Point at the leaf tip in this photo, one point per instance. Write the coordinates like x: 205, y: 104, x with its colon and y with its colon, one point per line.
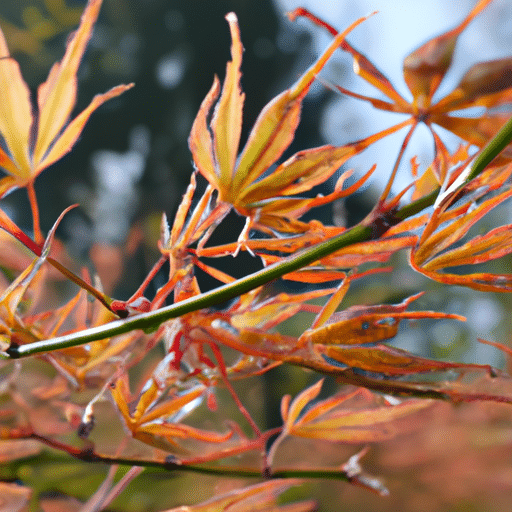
x: 231, y: 17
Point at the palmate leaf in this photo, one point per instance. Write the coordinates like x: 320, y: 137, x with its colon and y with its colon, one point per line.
x: 440, y: 245
x: 151, y: 423
x: 29, y: 154
x: 338, y: 419
x: 486, y: 84
x: 244, y: 185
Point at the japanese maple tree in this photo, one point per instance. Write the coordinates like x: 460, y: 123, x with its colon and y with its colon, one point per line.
x: 159, y: 382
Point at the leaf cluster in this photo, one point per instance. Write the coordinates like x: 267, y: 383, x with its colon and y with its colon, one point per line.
x: 154, y: 381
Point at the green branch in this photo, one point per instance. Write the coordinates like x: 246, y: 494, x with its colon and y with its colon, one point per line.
x: 359, y: 233
x: 492, y: 149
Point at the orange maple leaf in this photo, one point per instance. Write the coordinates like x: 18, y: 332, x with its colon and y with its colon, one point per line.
x: 152, y: 422
x: 35, y: 141
x: 486, y: 84
x: 457, y: 210
x: 264, y: 198
x: 334, y: 419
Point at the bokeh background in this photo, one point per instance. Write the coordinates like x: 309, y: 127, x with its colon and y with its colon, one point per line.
x: 132, y: 162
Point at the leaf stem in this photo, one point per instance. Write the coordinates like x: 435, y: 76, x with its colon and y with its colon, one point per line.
x: 101, y: 297
x: 36, y: 226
